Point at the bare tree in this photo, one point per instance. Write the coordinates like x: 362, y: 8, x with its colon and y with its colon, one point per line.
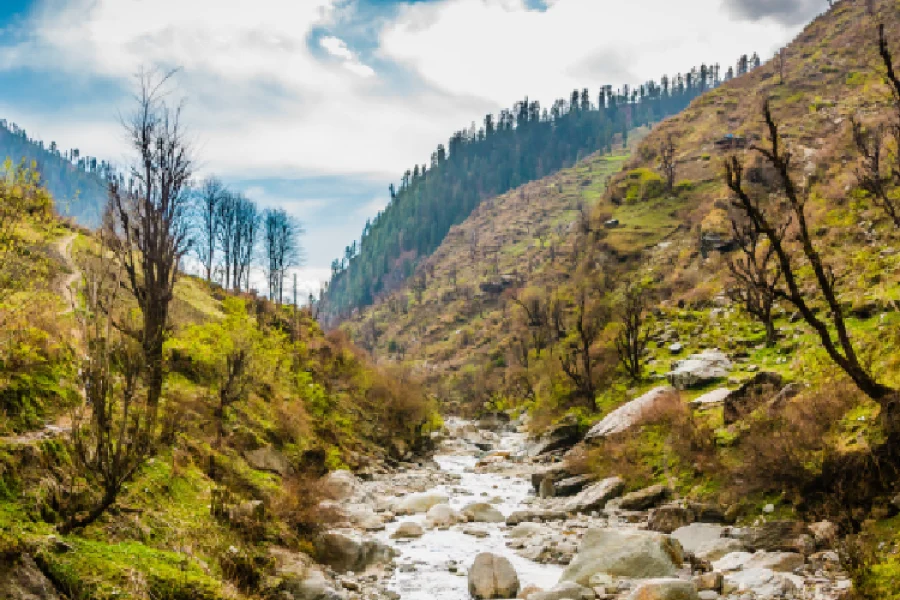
x: 577, y: 362
x: 757, y: 275
x: 247, y: 223
x: 207, y: 208
x: 281, y: 247
x: 227, y: 235
x: 873, y: 176
x: 667, y: 162
x: 110, y: 437
x: 152, y: 216
x: 632, y: 338
x: 838, y: 344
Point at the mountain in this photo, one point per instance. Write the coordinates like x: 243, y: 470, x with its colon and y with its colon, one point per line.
x: 528, y: 304
x: 521, y: 145
x: 76, y: 183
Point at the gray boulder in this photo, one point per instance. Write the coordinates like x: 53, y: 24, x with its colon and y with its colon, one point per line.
x: 699, y: 369
x: 595, y: 497
x: 343, y: 553
x: 407, y: 530
x: 670, y: 517
x: 23, y: 580
x: 492, y: 576
x: 419, y: 503
x: 443, y: 515
x: 710, y: 399
x: 564, y: 591
x: 706, y: 541
x: 665, y: 589
x: 761, y: 388
x: 570, y: 486
x: 645, y: 498
x: 627, y: 415
x: 624, y: 553
x: 535, y: 516
x: 268, y: 459
x: 482, y: 512
x: 339, y: 485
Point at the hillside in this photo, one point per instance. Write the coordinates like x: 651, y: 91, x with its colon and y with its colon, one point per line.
x: 76, y: 182
x: 257, y: 404
x: 520, y: 145
x: 500, y: 316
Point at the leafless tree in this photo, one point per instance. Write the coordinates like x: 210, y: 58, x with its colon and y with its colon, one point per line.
x: 152, y: 215
x: 763, y: 218
x: 111, y: 435
x: 587, y: 323
x: 667, y: 162
x: 757, y: 275
x: 248, y: 219
x: 632, y: 338
x: 207, y: 200
x: 281, y: 247
x: 873, y: 175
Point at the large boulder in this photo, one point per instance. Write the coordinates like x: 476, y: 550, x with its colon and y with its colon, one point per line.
x: 570, y: 486
x: 408, y: 530
x: 268, y: 459
x: 343, y: 553
x: 595, y: 497
x: 761, y: 388
x: 665, y: 589
x: 669, y: 517
x: 645, y: 498
x: 442, y: 516
x: 624, y: 553
x: 526, y: 530
x: 552, y: 472
x: 339, y: 485
x: 419, y: 503
x: 764, y: 584
x: 23, y: 580
x: 492, y: 576
x: 627, y: 415
x: 535, y: 516
x: 298, y: 578
x: 482, y: 512
x: 779, y: 536
x: 699, y: 369
x: 561, y: 436
x: 711, y: 399
x: 706, y: 541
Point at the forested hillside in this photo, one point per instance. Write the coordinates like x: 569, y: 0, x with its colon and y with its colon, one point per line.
x: 521, y: 145
x: 744, y: 254
x: 76, y: 182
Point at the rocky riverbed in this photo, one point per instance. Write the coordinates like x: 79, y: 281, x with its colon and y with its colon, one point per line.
x: 486, y: 519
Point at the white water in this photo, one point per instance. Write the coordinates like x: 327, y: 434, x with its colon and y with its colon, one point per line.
x: 423, y: 573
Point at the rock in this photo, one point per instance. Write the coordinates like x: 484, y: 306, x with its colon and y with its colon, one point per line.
x: 645, y: 498
x: 571, y: 485
x: 343, y: 553
x: 751, y: 395
x: 705, y: 541
x: 699, y: 369
x: 23, y: 580
x: 709, y: 581
x: 408, y: 529
x: 339, y: 485
x: 595, y: 496
x: 476, y: 532
x: 733, y: 561
x: 708, y: 513
x: 268, y: 459
x: 565, y: 591
x: 528, y: 591
x: 561, y: 436
x: 492, y: 576
x: 481, y: 512
x: 548, y: 489
x: 442, y: 515
x: 670, y: 517
x: 554, y: 472
x: 624, y: 553
x: 825, y: 533
x: 713, y: 398
x: 762, y: 583
x: 539, y: 516
x: 778, y: 536
x: 784, y: 562
x: 299, y: 578
x: 676, y: 348
x: 664, y: 589
x: 419, y: 503
x: 526, y: 530
x: 627, y: 415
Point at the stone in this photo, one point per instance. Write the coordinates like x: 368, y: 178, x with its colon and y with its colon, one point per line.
x: 784, y: 562
x: 339, y: 485
x: 548, y: 489
x: 565, y: 591
x: 705, y: 541
x: 23, y: 580
x: 554, y: 472
x: 529, y: 591
x: 762, y: 583
x: 670, y: 517
x: 711, y: 399
x: 709, y: 581
x: 676, y: 348
x: 482, y: 512
x: 778, y: 536
x: 407, y: 530
x: 627, y: 415
x: 571, y: 485
x: 419, y: 503
x: 624, y: 553
x: 595, y: 496
x: 343, y: 553
x: 442, y: 515
x: 751, y: 395
x: 268, y: 459
x: 560, y: 436
x: 664, y: 589
x: 492, y: 576
x: 540, y: 516
x: 645, y: 498
x: 299, y: 578
x: 825, y: 533
x: 699, y: 369
x: 526, y: 530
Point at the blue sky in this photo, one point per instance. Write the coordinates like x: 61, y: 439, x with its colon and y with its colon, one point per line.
x: 317, y: 105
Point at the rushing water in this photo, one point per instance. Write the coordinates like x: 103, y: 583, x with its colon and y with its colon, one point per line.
x: 424, y: 564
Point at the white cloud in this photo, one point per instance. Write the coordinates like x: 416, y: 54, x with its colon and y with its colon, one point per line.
x: 338, y: 48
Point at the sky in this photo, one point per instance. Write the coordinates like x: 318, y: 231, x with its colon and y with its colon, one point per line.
x: 317, y: 106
